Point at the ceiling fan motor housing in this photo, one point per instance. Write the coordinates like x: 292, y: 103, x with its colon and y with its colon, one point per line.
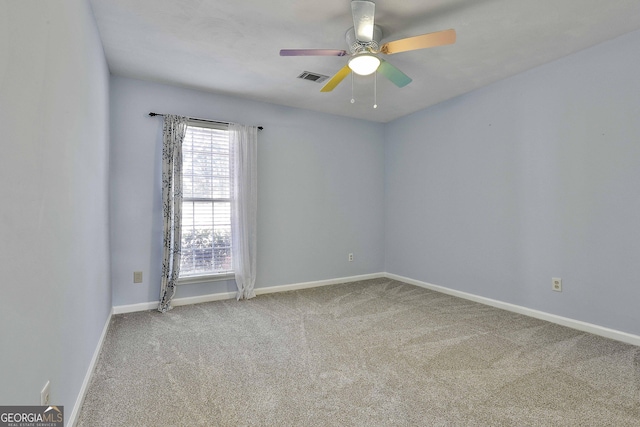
x: 356, y: 46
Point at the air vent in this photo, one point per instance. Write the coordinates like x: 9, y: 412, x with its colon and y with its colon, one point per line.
x: 314, y: 77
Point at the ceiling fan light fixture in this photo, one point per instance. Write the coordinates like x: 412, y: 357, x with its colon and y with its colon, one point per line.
x: 364, y: 64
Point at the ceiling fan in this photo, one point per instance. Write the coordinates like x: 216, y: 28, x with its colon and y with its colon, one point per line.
x: 364, y: 45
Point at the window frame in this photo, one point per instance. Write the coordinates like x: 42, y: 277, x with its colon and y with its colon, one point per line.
x: 209, y: 276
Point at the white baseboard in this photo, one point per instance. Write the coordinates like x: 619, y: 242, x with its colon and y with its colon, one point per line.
x: 153, y: 305
x: 130, y: 308
x: 71, y: 421
x: 318, y: 283
x: 564, y: 321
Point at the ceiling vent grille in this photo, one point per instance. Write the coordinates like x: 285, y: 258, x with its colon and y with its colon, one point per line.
x: 313, y: 77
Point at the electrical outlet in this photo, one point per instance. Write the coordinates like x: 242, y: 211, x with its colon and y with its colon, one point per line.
x: 350, y: 257
x: 137, y: 277
x: 44, y: 394
x: 556, y: 284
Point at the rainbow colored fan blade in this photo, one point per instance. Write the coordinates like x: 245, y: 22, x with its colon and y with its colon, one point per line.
x: 312, y: 52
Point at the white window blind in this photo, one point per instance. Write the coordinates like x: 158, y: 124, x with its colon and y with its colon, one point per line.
x: 206, y: 206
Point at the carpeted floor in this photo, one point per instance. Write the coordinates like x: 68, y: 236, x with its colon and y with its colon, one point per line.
x: 370, y: 353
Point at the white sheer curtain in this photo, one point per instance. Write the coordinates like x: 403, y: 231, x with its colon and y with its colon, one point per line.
x: 244, y: 146
x: 174, y: 130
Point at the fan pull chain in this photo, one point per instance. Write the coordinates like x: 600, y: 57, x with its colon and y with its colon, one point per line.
x: 352, y: 98
x: 375, y: 89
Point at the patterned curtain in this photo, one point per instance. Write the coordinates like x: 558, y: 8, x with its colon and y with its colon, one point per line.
x: 244, y: 146
x: 174, y: 130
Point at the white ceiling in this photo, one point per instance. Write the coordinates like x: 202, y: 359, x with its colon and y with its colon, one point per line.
x: 232, y: 47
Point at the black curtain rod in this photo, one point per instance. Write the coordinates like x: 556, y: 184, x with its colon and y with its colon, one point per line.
x: 200, y: 120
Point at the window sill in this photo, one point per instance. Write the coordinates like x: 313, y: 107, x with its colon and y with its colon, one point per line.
x: 205, y: 279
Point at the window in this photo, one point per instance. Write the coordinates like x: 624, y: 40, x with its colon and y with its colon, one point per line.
x: 206, y: 205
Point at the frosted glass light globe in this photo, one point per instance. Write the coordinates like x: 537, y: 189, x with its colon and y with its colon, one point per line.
x: 364, y: 64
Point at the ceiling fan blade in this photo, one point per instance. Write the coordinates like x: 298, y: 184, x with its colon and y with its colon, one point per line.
x: 312, y: 52
x: 363, y: 19
x: 439, y: 38
x: 336, y: 79
x: 396, y: 76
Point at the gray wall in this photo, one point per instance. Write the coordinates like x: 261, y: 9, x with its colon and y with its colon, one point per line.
x: 320, y: 180
x: 54, y: 256
x: 534, y: 177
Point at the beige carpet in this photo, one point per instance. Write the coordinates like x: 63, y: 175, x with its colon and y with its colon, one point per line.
x: 370, y: 353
